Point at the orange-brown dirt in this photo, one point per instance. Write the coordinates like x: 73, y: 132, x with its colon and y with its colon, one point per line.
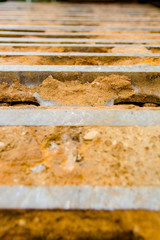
x: 132, y: 49
x: 136, y: 49
x: 14, y: 93
x: 31, y: 49
x: 113, y: 88
x: 40, y: 60
x: 87, y: 36
x: 123, y: 156
x: 115, y: 31
x: 79, y: 225
x: 85, y: 23
x: 131, y: 36
x: 95, y: 93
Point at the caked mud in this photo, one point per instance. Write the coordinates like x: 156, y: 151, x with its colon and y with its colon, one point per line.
x: 97, y: 156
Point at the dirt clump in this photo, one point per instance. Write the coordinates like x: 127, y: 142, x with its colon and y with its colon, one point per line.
x: 132, y: 49
x: 15, y: 93
x: 96, y: 93
x: 111, y: 61
x: 68, y: 60
x: 31, y: 49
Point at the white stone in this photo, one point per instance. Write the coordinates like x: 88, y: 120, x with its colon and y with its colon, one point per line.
x: 90, y: 135
x: 2, y: 144
x: 53, y: 146
x: 38, y: 168
x: 114, y: 142
x: 22, y: 222
x: 24, y: 133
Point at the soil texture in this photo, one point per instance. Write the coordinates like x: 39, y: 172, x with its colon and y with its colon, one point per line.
x: 79, y: 225
x: 113, y: 156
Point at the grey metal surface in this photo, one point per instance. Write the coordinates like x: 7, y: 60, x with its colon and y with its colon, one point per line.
x: 88, y: 34
x: 76, y: 28
x: 79, y: 40
x: 81, y: 68
x: 78, y: 117
x: 79, y: 54
x: 80, y: 15
x: 71, y: 18
x: 77, y: 45
x: 35, y: 74
x: 27, y: 12
x: 80, y: 197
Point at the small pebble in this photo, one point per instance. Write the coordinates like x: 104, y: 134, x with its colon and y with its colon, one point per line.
x: 36, y: 219
x: 114, y: 142
x: 22, y: 92
x: 78, y: 158
x: 15, y: 180
x: 53, y: 146
x: 90, y: 135
x: 22, y: 222
x: 95, y: 83
x: 23, y: 133
x: 38, y: 168
x: 2, y: 144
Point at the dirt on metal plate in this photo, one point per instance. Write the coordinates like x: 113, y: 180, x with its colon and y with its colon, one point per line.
x: 103, y: 91
x: 96, y: 156
x: 68, y: 60
x: 73, y: 225
x: 122, y: 49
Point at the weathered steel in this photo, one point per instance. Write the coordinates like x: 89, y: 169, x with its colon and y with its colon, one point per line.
x: 80, y: 197
x: 35, y: 74
x: 76, y: 28
x: 74, y: 19
x: 78, y: 45
x: 79, y: 54
x: 75, y: 35
x: 74, y: 68
x: 72, y: 116
x: 78, y: 40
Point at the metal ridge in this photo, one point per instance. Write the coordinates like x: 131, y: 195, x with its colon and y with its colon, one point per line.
x: 73, y: 116
x: 80, y: 197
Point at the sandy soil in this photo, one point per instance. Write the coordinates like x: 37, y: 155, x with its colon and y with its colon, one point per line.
x: 103, y: 91
x: 132, y: 49
x: 124, y: 156
x: 96, y: 93
x: 40, y: 60
x: 136, y: 49
x: 80, y: 23
x: 74, y: 225
x: 87, y: 36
